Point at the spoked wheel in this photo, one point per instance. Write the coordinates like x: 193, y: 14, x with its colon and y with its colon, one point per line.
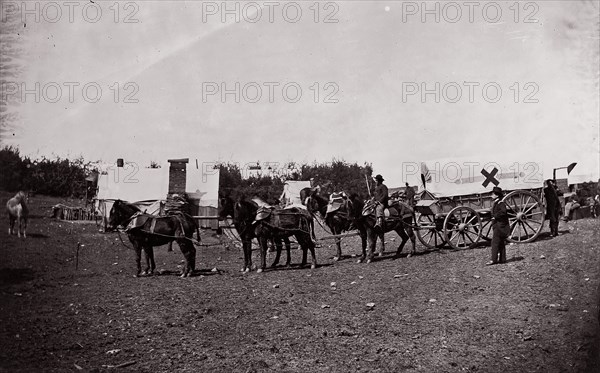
x: 525, y: 216
x: 462, y: 227
x: 486, y: 229
x: 429, y: 235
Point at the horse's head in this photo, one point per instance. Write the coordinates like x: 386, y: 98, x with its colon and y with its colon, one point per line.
x: 225, y: 207
x: 120, y: 214
x: 22, y: 197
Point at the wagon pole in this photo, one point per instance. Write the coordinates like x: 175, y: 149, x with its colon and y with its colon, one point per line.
x: 368, y: 187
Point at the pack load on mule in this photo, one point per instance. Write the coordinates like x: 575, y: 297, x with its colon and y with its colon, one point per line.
x: 256, y: 219
x: 341, y: 213
x: 455, y: 207
x: 146, y: 231
x: 396, y: 216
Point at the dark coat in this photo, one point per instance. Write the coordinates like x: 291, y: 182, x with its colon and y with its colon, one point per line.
x: 381, y: 194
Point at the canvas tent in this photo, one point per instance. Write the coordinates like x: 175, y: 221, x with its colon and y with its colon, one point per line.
x: 291, y: 192
x: 148, y: 189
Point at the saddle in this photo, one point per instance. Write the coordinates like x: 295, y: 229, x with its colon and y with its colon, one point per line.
x: 336, y: 201
x: 139, y: 220
x: 263, y: 213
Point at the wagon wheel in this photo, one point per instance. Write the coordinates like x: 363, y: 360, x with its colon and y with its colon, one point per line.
x: 427, y: 232
x: 462, y: 227
x: 486, y: 229
x: 525, y: 215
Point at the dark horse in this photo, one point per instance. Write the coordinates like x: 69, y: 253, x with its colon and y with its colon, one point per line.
x: 342, y: 216
x: 243, y: 213
x: 400, y: 221
x: 280, y: 223
x: 147, y: 231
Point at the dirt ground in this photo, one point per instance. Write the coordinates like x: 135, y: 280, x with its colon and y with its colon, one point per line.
x: 439, y: 311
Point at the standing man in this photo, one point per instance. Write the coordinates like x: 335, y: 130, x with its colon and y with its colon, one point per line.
x: 380, y: 194
x: 552, y: 206
x: 500, y: 227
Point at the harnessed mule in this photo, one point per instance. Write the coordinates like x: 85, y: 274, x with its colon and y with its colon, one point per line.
x: 243, y: 214
x: 18, y: 212
x: 146, y: 231
x: 274, y: 223
x: 399, y: 218
x: 341, y: 214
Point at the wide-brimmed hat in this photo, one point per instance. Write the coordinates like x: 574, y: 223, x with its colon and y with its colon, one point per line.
x: 498, y: 191
x: 379, y: 178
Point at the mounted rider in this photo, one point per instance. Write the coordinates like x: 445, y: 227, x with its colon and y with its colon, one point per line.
x: 380, y: 195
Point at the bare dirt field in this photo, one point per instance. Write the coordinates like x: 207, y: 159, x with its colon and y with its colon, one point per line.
x: 440, y: 311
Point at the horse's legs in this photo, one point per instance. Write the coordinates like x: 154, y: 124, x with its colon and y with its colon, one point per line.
x: 403, y: 236
x: 338, y: 242
x: 24, y: 227
x: 277, y: 244
x: 149, y: 251
x: 138, y: 258
x: 19, y: 226
x: 381, y: 235
x: 372, y: 240
x: 263, y: 254
x: 11, y: 224
x: 288, y: 248
x: 247, y: 247
x: 189, y: 253
x: 411, y: 235
x: 311, y: 246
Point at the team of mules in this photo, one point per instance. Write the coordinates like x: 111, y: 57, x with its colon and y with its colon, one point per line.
x: 269, y: 224
x: 18, y: 213
x: 343, y: 214
x: 146, y: 231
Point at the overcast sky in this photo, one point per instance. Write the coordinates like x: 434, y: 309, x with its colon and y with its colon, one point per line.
x: 361, y: 67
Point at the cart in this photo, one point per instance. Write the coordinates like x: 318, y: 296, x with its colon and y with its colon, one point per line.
x: 454, y: 208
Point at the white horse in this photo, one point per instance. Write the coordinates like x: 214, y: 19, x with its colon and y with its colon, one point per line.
x: 18, y: 211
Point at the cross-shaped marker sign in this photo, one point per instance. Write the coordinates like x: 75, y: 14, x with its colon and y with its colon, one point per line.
x: 489, y: 177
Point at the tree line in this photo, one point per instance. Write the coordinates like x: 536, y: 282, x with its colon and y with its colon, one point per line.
x: 62, y: 177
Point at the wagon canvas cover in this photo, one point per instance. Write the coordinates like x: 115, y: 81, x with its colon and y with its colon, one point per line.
x: 448, y: 178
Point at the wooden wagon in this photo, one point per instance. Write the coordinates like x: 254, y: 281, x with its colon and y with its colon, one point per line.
x: 455, y: 207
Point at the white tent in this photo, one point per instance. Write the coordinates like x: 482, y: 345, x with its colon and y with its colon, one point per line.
x: 145, y: 187
x: 291, y: 192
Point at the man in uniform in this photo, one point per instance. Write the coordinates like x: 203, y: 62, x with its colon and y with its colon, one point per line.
x: 552, y: 206
x: 500, y: 227
x: 380, y: 194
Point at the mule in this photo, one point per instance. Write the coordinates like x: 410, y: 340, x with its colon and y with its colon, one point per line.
x: 18, y: 213
x: 400, y: 220
x: 340, y: 215
x: 243, y: 213
x: 147, y: 231
x: 283, y: 223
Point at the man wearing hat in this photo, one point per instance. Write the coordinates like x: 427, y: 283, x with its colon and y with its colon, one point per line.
x: 380, y: 194
x: 500, y: 227
x: 552, y: 206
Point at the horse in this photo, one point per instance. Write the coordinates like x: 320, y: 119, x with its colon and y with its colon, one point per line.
x: 146, y: 231
x: 243, y: 213
x: 340, y: 214
x: 18, y: 212
x: 283, y: 223
x: 400, y: 221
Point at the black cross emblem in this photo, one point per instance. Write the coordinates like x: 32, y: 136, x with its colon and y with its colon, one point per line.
x: 489, y: 177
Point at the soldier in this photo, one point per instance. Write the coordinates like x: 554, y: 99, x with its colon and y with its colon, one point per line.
x: 380, y: 194
x: 552, y: 206
x: 500, y: 227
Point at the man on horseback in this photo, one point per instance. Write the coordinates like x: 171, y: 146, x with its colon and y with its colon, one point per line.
x: 380, y: 194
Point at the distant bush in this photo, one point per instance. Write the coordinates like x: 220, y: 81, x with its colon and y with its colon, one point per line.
x: 54, y: 177
x: 335, y: 176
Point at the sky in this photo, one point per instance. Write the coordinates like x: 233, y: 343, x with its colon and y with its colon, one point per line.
x: 391, y: 83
